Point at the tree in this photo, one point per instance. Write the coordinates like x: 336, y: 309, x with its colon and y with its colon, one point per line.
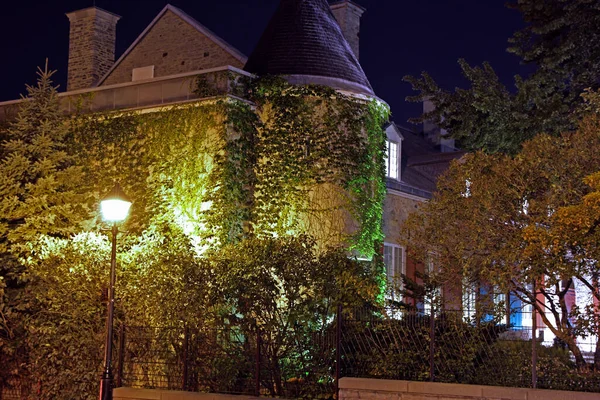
x: 289, y: 292
x: 40, y: 193
x: 498, y: 219
x: 561, y: 40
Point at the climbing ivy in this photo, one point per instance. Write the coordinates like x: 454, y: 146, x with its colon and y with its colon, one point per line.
x: 320, y: 164
x: 285, y: 161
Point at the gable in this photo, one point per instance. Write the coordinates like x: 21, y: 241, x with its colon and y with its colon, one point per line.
x: 393, y: 133
x: 174, y: 43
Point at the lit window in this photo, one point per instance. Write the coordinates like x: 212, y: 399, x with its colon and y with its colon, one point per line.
x: 392, y: 160
x: 467, y: 192
x: 395, y: 266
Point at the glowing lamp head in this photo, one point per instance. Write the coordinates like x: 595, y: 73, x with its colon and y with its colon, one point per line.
x: 115, y: 206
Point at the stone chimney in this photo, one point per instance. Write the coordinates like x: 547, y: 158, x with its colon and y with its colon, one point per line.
x: 91, y: 46
x: 347, y: 13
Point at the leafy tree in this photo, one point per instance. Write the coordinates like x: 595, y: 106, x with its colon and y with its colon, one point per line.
x: 289, y: 292
x: 39, y: 194
x: 498, y: 219
x: 561, y: 41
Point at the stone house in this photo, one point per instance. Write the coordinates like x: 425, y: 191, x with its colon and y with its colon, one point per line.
x: 306, y: 42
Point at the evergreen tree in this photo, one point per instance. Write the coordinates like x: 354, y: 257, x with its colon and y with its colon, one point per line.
x: 39, y: 195
x: 562, y: 39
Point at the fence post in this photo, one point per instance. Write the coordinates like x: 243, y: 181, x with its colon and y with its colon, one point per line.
x: 432, y: 344
x: 338, y: 351
x: 121, y: 356
x: 534, y: 355
x: 186, y: 338
x: 257, y: 362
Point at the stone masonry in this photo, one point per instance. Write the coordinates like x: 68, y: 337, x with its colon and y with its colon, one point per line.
x: 91, y: 46
x: 173, y: 46
x: 348, y: 15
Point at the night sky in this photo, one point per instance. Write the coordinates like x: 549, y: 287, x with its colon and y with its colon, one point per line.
x: 398, y: 37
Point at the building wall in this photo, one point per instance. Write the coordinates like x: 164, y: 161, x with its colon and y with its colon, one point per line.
x: 173, y: 46
x: 396, y: 209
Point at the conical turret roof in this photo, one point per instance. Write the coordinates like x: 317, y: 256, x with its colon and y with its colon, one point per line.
x: 304, y: 42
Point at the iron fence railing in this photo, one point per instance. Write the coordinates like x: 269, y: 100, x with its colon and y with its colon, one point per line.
x: 307, y: 360
x: 368, y: 342
x: 227, y: 360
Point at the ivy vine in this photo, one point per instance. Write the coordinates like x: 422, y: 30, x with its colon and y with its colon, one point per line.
x: 284, y: 161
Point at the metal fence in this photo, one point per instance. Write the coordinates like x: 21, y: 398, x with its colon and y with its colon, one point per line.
x: 307, y: 360
x: 292, y: 364
x: 374, y: 343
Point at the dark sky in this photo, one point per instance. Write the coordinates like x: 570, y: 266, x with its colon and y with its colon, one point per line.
x: 398, y: 37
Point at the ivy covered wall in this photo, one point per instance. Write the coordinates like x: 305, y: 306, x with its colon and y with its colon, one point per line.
x: 283, y: 161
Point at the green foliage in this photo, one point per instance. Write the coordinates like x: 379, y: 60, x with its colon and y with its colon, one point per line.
x: 398, y: 346
x: 289, y: 292
x: 519, y: 221
x: 320, y: 153
x: 305, y: 158
x: 561, y: 41
x: 41, y: 193
x: 555, y: 370
x: 219, y: 188
x: 68, y: 278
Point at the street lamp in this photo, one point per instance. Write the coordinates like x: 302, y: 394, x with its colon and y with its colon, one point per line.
x: 114, y: 208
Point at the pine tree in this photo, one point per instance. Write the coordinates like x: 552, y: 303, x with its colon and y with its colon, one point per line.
x: 39, y: 195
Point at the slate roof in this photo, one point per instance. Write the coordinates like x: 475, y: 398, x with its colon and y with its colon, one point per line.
x: 303, y: 38
x: 422, y: 164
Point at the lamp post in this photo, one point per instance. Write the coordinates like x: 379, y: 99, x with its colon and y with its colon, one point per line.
x: 114, y: 208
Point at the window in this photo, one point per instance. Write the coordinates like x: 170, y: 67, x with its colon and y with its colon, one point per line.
x: 392, y: 161
x: 467, y: 192
x: 395, y: 265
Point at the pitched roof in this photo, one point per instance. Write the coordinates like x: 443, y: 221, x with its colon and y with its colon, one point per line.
x: 304, y: 40
x: 184, y: 16
x: 422, y: 164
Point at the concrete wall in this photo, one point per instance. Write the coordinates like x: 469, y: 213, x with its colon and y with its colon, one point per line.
x: 173, y: 46
x: 157, y: 394
x: 383, y: 389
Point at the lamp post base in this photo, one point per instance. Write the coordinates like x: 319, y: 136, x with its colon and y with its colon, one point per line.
x: 106, y: 388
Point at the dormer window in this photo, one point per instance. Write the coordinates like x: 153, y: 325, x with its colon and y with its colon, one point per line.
x: 393, y: 160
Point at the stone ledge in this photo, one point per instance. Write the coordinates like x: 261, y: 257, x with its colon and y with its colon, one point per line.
x: 157, y: 394
x: 354, y: 388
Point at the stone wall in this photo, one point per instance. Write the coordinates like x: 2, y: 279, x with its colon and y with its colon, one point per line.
x: 173, y: 46
x: 348, y: 17
x: 396, y: 209
x: 157, y: 394
x: 383, y: 389
x: 91, y: 46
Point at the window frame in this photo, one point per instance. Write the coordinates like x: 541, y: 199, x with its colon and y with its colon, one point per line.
x: 395, y: 278
x: 388, y: 159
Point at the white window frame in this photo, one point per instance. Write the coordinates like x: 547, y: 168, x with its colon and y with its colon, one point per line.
x: 392, y: 164
x: 394, y: 271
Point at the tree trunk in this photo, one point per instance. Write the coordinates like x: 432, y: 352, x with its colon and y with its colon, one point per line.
x: 579, y: 360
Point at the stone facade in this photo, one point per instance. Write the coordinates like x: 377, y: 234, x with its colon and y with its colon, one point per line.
x: 91, y: 46
x: 348, y: 16
x: 397, y: 208
x: 173, y: 46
